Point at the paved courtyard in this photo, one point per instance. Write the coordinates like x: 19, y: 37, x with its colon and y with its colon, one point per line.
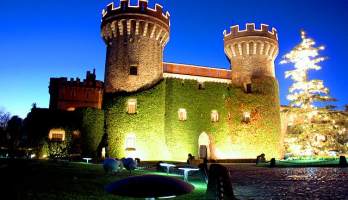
x: 250, y: 182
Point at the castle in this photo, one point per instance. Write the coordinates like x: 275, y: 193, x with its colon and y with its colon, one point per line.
x: 72, y: 94
x: 155, y: 110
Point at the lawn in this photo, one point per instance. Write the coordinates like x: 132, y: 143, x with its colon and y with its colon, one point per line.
x: 24, y: 179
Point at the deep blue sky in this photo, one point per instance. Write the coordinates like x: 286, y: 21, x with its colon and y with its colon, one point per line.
x: 53, y: 38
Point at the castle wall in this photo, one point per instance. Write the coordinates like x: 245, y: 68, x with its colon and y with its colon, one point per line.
x: 162, y: 136
x: 135, y: 37
x: 251, y: 52
x: 182, y: 136
x: 76, y: 97
x: 144, y: 53
x: 73, y: 94
x: 147, y: 124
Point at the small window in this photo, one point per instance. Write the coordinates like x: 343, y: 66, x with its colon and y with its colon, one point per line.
x: 132, y: 106
x: 133, y: 70
x: 201, y: 86
x: 214, y: 116
x: 131, y: 142
x: 70, y: 109
x: 56, y: 135
x: 248, y: 88
x: 246, y: 117
x: 76, y: 134
x: 182, y: 114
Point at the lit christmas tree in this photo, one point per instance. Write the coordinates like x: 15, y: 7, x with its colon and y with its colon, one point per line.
x: 315, y: 130
x: 304, y: 92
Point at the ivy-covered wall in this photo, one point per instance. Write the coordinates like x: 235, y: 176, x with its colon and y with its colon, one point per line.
x: 88, y: 121
x: 92, y: 131
x: 147, y: 124
x: 182, y: 136
x: 161, y: 136
x: 263, y: 133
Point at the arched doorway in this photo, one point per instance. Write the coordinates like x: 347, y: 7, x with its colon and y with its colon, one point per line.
x: 204, y: 146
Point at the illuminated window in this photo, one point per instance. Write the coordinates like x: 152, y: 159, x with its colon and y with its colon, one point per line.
x: 71, y: 109
x: 182, y: 114
x: 246, y: 117
x: 131, y: 142
x: 76, y: 134
x: 133, y: 70
x: 57, y: 135
x: 214, y: 116
x: 132, y: 106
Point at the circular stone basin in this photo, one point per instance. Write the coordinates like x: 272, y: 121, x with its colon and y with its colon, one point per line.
x: 149, y: 186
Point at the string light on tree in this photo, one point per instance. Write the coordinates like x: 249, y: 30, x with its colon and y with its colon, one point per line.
x: 305, y: 57
x: 317, y: 132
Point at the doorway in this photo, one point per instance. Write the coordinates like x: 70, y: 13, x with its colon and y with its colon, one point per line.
x: 203, y: 146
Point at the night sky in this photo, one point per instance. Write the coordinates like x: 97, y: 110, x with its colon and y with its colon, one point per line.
x: 61, y: 38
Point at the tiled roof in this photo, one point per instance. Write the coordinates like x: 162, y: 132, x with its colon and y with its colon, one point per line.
x: 194, y: 70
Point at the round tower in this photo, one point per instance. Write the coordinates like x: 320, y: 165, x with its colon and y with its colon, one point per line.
x: 251, y: 52
x: 135, y: 37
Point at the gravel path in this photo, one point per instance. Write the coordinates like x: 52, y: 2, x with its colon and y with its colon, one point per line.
x: 250, y: 182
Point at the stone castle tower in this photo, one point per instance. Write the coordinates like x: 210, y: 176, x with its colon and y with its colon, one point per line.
x: 135, y: 37
x: 195, y: 109
x: 251, y: 53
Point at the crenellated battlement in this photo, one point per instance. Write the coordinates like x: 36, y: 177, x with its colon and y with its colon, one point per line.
x: 251, y: 52
x: 251, y: 30
x: 251, y: 41
x: 141, y: 8
x: 89, y: 82
x: 138, y: 20
x: 136, y: 36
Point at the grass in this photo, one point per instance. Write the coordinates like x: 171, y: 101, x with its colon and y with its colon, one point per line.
x: 28, y: 180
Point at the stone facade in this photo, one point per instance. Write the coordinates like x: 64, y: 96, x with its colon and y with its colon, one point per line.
x: 135, y: 38
x: 251, y: 52
x: 71, y: 94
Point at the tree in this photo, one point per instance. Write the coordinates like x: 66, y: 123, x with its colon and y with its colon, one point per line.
x: 304, y: 92
x: 4, y: 118
x: 14, y: 131
x: 316, y: 130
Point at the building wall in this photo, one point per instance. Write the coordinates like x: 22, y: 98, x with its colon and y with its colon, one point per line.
x: 144, y: 53
x: 72, y: 94
x: 147, y: 124
x: 135, y: 37
x: 160, y: 135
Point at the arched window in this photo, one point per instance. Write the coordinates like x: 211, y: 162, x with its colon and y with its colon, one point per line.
x: 182, y: 114
x: 214, y: 116
x: 246, y: 117
x: 130, y: 142
x: 132, y: 106
x: 201, y: 86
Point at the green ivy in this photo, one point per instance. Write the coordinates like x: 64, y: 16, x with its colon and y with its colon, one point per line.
x: 92, y: 131
x: 160, y: 135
